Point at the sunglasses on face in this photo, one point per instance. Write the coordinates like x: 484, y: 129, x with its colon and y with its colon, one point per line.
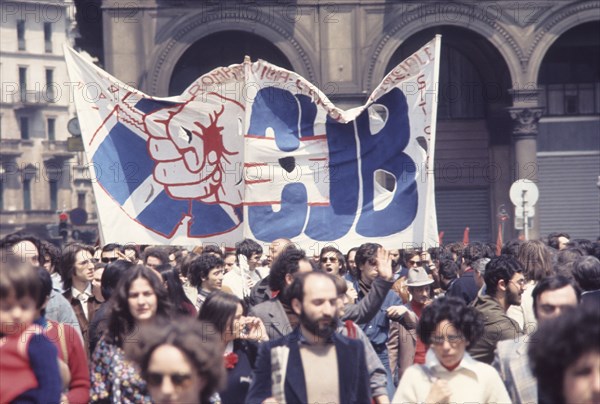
x: 106, y: 260
x: 413, y: 263
x: 330, y: 259
x: 178, y: 379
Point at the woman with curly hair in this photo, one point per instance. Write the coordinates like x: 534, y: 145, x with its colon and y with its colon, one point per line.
x: 138, y: 299
x: 448, y: 326
x: 180, y: 361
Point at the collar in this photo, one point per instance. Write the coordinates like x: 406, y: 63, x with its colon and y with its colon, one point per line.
x: 88, y: 291
x: 467, y: 362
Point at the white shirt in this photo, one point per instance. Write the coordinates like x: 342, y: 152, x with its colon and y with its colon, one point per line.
x: 241, y: 281
x: 471, y: 382
x: 83, y: 297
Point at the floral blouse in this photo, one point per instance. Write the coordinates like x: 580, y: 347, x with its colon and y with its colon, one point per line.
x: 115, y: 379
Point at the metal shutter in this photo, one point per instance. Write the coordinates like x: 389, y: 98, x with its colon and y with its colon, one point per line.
x: 569, y: 195
x: 460, y: 208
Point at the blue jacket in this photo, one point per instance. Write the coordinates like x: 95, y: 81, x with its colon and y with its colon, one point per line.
x: 352, y: 370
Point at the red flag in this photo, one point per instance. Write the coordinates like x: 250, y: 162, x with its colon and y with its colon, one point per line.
x: 499, y: 240
x: 440, y: 238
x: 466, y: 236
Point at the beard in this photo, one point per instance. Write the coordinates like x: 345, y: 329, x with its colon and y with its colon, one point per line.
x: 512, y: 298
x: 323, y: 331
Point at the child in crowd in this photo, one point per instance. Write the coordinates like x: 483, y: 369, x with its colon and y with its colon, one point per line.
x: 29, y: 370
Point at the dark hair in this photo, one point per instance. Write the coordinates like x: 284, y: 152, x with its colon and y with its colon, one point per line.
x: 248, y: 247
x: 213, y: 249
x: 583, y: 244
x: 112, y: 246
x: 66, y: 267
x: 552, y: 283
x: 499, y: 268
x: 448, y: 269
x: 45, y: 286
x: 13, y: 239
x: 587, y: 272
x: 365, y: 252
x: 52, y: 251
x: 558, y: 344
x: 406, y: 254
x: 120, y: 321
x: 219, y: 309
x: 553, y: 239
x: 156, y: 252
x: 287, y: 262
x: 201, y: 266
x: 468, y: 320
x: 133, y: 247
x: 569, y: 255
x: 536, y: 259
x: 20, y: 280
x: 175, y: 290
x: 200, y: 347
x: 474, y: 251
x: 512, y: 247
x: 111, y: 275
x: 296, y: 289
x: 455, y: 248
x: 186, y: 262
x: 338, y: 255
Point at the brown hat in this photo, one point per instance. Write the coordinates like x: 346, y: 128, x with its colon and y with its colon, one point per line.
x: 418, y: 277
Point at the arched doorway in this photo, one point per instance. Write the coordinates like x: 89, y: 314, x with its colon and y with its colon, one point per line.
x: 222, y: 49
x: 569, y: 134
x: 473, y: 132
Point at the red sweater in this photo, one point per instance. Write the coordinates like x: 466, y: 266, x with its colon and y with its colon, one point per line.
x: 70, y: 346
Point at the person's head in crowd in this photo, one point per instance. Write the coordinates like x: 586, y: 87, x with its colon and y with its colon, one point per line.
x: 111, y: 276
x: 206, y: 272
x: 565, y: 261
x: 132, y: 252
x: 450, y: 327
x: 155, y: 256
x: 410, y: 257
x: 332, y: 261
x: 583, y: 244
x: 395, y: 255
x: 224, y: 311
x: 474, y: 251
x: 448, y: 272
x: 51, y: 254
x: 491, y: 248
x: 536, y: 260
x: 99, y: 268
x: 314, y: 298
x: 565, y: 357
x: 175, y: 256
x: 456, y: 250
x: 586, y: 272
x: 20, y: 293
x: 479, y: 269
x: 24, y: 246
x: 512, y: 248
x: 172, y: 281
x: 351, y: 261
x: 251, y: 250
x: 77, y: 266
x: 342, y: 287
x: 213, y: 249
x: 139, y: 298
x: 290, y: 261
x: 186, y: 263
x: 277, y: 246
x: 110, y: 252
x: 229, y: 261
x: 45, y: 291
x: 554, y: 295
x: 366, y: 262
x: 419, y: 286
x: 558, y: 241
x: 180, y: 361
x: 504, y: 280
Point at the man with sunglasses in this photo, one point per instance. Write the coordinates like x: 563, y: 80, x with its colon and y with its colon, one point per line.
x: 110, y: 253
x: 505, y: 283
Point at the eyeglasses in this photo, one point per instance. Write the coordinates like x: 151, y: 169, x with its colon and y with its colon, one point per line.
x: 180, y: 380
x: 413, y: 263
x: 452, y: 339
x: 330, y: 259
x: 106, y: 260
x: 520, y: 282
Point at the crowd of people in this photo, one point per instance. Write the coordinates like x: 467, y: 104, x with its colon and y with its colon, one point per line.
x: 156, y: 324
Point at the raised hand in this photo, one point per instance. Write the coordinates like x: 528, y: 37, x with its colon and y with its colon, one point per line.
x: 384, y: 264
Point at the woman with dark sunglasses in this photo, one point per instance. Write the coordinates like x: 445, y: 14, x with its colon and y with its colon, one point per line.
x: 181, y: 361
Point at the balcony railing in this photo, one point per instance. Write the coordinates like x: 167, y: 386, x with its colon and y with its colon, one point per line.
x: 10, y: 148
x: 56, y: 149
